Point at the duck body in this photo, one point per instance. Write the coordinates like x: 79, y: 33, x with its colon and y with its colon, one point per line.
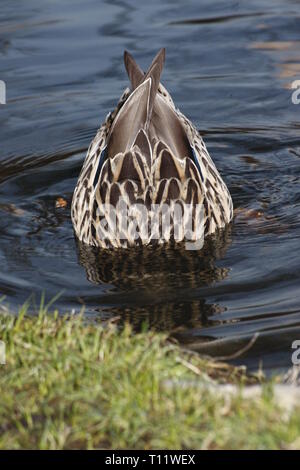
x: 148, y: 156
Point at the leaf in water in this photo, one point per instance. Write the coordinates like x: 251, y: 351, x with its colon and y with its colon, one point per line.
x: 247, y: 214
x: 60, y: 202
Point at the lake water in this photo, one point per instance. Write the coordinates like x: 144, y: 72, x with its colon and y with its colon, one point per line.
x: 229, y: 67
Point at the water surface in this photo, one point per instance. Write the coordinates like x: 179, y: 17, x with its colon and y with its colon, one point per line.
x: 229, y: 68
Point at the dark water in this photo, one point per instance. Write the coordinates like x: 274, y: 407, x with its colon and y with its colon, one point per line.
x: 229, y: 68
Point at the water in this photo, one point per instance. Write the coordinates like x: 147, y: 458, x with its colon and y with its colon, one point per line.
x: 229, y: 68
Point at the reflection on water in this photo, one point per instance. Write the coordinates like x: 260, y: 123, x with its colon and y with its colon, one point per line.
x: 158, y: 286
x: 229, y: 67
x: 288, y: 57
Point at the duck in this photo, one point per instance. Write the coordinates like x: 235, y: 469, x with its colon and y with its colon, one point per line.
x: 147, y: 158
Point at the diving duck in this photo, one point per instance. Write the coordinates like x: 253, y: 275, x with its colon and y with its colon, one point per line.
x: 146, y: 154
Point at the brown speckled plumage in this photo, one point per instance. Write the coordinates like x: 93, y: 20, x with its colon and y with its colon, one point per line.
x: 146, y: 152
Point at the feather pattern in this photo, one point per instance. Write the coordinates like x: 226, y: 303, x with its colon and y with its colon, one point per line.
x: 146, y: 153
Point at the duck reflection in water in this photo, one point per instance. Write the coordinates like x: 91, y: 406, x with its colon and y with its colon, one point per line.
x: 160, y: 286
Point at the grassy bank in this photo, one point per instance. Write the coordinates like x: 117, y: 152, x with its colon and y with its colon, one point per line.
x: 68, y: 384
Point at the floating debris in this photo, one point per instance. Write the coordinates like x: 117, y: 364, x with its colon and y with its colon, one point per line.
x: 248, y: 213
x: 60, y: 202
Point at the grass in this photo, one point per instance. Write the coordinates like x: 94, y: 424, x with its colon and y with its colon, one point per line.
x: 69, y: 384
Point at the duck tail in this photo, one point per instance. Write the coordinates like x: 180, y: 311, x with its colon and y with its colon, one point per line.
x: 136, y: 74
x: 136, y: 112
